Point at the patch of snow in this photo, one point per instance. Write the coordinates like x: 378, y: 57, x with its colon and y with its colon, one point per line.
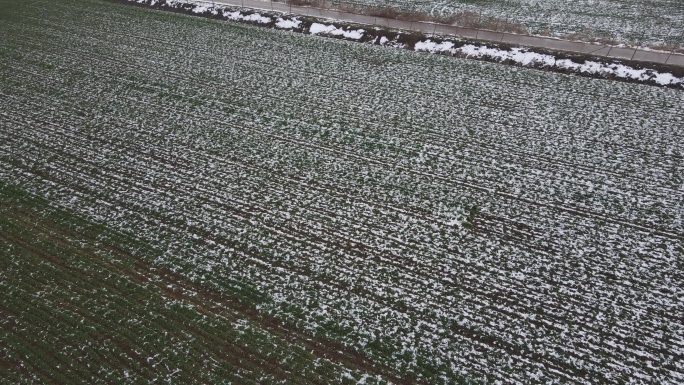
x: 517, y: 55
x: 253, y: 17
x: 233, y: 15
x: 258, y: 18
x: 525, y: 58
x: 288, y: 24
x: 629, y: 72
x: 591, y: 67
x: 667, y: 78
x: 318, y: 29
x: 433, y: 47
x: 567, y: 63
x: 356, y: 35
x: 200, y: 9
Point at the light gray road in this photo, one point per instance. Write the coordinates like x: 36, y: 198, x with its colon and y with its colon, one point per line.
x: 521, y: 40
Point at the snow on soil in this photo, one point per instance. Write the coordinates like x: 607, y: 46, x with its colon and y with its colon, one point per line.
x: 288, y: 24
x: 201, y: 9
x: 322, y: 29
x: 253, y: 17
x: 520, y: 56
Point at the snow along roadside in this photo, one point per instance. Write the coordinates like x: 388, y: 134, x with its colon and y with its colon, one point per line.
x: 527, y: 58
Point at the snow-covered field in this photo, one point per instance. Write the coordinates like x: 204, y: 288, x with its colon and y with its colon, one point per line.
x: 444, y: 217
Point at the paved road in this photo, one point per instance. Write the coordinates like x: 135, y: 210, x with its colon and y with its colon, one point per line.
x: 521, y: 40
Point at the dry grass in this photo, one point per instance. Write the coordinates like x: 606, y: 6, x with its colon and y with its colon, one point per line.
x: 606, y: 41
x: 390, y: 13
x: 448, y: 19
x: 591, y: 36
x: 469, y: 20
x: 584, y: 35
x: 307, y: 3
x: 674, y: 48
x: 515, y: 28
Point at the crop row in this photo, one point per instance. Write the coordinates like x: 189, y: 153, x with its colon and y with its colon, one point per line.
x: 81, y: 308
x: 441, y: 216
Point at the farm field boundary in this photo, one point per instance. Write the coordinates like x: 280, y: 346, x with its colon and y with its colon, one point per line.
x: 590, y: 60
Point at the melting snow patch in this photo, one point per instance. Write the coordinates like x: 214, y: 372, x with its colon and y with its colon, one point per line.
x: 200, y: 9
x: 233, y: 15
x: 520, y: 56
x: 629, y: 72
x: 258, y: 18
x: 666, y: 78
x: 288, y: 24
x: 317, y: 29
x: 384, y: 41
x: 253, y: 17
x: 431, y: 46
x: 591, y: 67
x: 526, y: 58
x: 517, y: 55
x: 356, y: 35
